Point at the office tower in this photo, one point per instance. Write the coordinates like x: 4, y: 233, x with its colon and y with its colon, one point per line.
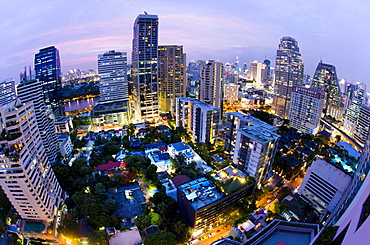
x: 257, y: 73
x: 47, y: 68
x: 171, y: 75
x: 325, y: 79
x: 145, y: 67
x: 267, y: 74
x: 200, y: 119
x: 362, y: 128
x: 24, y: 75
x: 7, y: 91
x: 343, y: 86
x: 288, y: 72
x: 233, y: 121
x: 194, y: 71
x: 25, y: 174
x: 231, y: 92
x: 357, y: 99
x: 254, y: 152
x: 31, y: 91
x: 323, y: 186
x: 113, y: 106
x: 306, y: 108
x: 203, y: 204
x: 112, y: 68
x: 211, y: 84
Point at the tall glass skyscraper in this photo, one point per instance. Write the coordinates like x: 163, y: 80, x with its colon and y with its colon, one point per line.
x: 325, y: 79
x: 47, y: 68
x: 145, y: 67
x: 288, y: 73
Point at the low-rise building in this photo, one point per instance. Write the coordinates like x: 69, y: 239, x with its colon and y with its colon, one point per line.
x: 184, y: 149
x: 63, y: 124
x: 161, y: 160
x: 65, y: 145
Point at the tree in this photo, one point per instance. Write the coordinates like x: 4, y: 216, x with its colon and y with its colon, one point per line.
x: 142, y: 221
x: 131, y: 128
x: 69, y: 228
x: 98, y: 238
x: 160, y: 238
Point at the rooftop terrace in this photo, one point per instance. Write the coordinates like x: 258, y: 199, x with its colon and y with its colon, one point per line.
x: 200, y: 192
x: 259, y: 133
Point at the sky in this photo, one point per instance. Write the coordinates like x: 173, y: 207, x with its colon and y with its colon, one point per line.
x: 334, y: 31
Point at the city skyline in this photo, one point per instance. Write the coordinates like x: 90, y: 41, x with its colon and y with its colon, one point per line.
x: 222, y: 32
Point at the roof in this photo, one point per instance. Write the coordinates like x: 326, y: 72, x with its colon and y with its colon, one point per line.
x: 157, y: 144
x: 180, y: 179
x: 109, y: 165
x: 163, y: 156
x: 180, y: 146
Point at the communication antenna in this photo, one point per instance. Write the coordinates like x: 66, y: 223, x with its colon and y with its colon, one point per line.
x: 145, y: 13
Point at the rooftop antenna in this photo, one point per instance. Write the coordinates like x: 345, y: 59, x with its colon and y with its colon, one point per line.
x: 145, y: 13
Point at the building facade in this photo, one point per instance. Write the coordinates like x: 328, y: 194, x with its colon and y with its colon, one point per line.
x: 210, y: 90
x: 25, y: 173
x: 306, y: 109
x: 257, y: 73
x: 48, y: 71
x: 112, y: 68
x: 171, y: 75
x: 325, y: 79
x: 31, y: 91
x: 200, y: 119
x: 288, y: 72
x: 145, y: 67
x: 231, y: 92
x: 357, y: 99
x: 254, y: 152
x: 323, y: 186
x: 362, y: 129
x: 7, y: 91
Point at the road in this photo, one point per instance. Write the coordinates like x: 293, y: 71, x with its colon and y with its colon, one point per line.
x: 217, y: 235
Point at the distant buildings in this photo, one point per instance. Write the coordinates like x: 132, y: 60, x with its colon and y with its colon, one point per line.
x: 288, y: 72
x: 171, y: 75
x: 203, y: 204
x: 258, y: 72
x: 113, y: 106
x: 306, y: 108
x: 325, y: 79
x: 48, y: 71
x: 63, y: 124
x: 323, y: 186
x: 25, y: 173
x: 255, y: 148
x: 200, y: 119
x: 231, y: 92
x: 211, y: 83
x: 145, y: 67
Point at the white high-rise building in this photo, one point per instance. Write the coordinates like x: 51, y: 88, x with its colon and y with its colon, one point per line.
x: 257, y: 73
x: 255, y: 149
x: 231, y: 92
x: 112, y: 68
x: 7, y: 91
x: 324, y: 185
x: 306, y: 109
x: 31, y: 91
x: 200, y: 119
x: 361, y: 132
x: 211, y: 84
x: 357, y: 94
x: 25, y: 173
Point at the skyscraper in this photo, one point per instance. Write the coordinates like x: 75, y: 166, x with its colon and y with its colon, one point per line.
x: 112, y: 68
x: 7, y: 91
x: 288, y: 72
x: 325, y: 79
x: 171, y: 75
x: 211, y: 84
x: 257, y: 72
x: 47, y: 68
x: 357, y: 99
x: 31, y: 91
x: 145, y: 67
x: 25, y: 174
x: 362, y: 129
x: 306, y: 109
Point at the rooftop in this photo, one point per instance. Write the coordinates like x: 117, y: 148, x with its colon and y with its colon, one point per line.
x: 200, y: 192
x: 259, y: 133
x: 158, y: 157
x: 180, y: 146
x: 155, y: 145
x: 110, y: 106
x: 251, y: 120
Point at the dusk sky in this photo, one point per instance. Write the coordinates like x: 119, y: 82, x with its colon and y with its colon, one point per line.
x: 335, y: 31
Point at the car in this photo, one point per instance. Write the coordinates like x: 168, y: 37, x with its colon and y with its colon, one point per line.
x: 193, y: 242
x: 211, y: 234
x: 204, y: 237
